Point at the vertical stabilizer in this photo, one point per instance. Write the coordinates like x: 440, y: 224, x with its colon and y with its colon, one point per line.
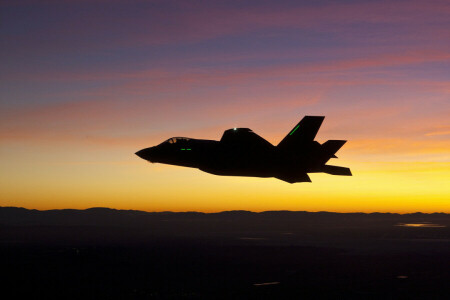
x: 304, y: 132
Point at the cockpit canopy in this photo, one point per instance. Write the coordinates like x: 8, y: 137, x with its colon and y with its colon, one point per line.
x: 175, y: 140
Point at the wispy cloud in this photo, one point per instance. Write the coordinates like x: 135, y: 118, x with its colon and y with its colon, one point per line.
x: 441, y: 130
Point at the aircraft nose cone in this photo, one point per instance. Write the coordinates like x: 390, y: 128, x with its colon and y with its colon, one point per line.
x: 140, y: 153
x: 144, y: 154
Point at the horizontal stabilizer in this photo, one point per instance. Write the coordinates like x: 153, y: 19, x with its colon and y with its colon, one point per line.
x: 335, y: 170
x: 329, y: 148
x: 304, y: 132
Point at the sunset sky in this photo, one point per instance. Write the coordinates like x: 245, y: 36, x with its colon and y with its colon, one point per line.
x: 84, y: 84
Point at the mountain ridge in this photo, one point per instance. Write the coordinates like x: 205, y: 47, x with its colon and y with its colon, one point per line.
x: 104, y: 209
x: 267, y: 220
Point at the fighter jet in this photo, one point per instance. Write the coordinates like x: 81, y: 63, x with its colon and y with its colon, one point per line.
x: 241, y: 152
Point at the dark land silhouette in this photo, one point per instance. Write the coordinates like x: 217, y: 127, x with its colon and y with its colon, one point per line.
x: 106, y: 253
x: 241, y: 152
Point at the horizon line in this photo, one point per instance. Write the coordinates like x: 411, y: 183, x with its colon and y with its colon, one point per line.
x: 224, y: 211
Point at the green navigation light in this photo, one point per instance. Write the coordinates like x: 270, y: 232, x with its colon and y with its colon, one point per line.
x: 294, y: 129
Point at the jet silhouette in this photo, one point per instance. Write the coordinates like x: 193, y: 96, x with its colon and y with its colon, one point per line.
x: 241, y: 152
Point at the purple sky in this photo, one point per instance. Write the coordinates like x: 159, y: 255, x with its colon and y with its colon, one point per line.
x: 116, y: 76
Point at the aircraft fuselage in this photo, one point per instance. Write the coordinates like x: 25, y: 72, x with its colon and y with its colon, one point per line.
x: 241, y: 152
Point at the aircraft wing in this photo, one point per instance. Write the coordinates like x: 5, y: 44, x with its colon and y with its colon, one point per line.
x: 292, y: 178
x: 244, y: 137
